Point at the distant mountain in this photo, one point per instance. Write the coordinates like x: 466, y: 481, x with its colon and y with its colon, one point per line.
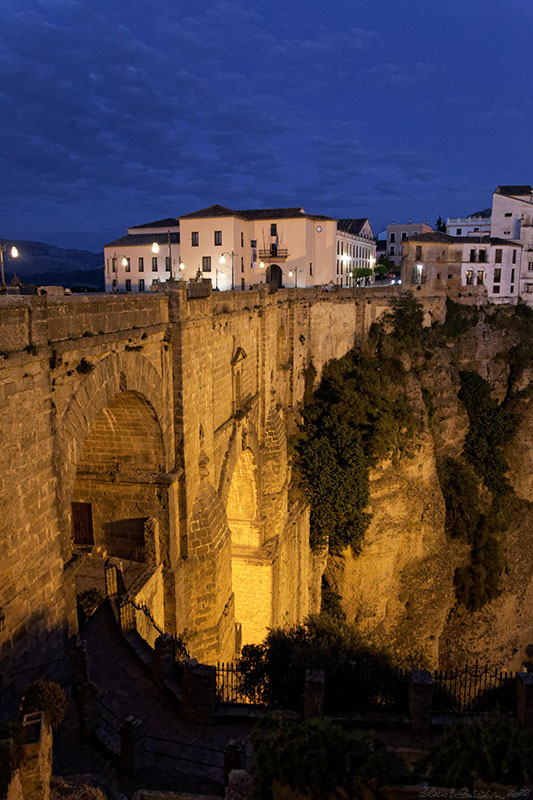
x: 46, y: 264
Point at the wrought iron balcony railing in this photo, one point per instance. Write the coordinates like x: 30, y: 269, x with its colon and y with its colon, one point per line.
x: 274, y: 252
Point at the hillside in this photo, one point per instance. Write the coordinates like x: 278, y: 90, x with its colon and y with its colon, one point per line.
x: 47, y: 264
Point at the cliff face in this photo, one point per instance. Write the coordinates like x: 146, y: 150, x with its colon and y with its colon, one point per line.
x: 401, y: 582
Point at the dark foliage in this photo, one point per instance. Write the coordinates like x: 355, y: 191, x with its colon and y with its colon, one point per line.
x: 459, y: 319
x: 46, y: 696
x: 460, y: 490
x: 406, y: 318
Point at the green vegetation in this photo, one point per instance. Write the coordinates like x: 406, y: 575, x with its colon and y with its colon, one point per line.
x: 319, y: 758
x: 331, y: 604
x: 459, y: 320
x: 406, y: 320
x: 48, y: 697
x: 493, y: 748
x: 460, y: 490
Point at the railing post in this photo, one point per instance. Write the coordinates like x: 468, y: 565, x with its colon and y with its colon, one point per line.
x: 315, y: 681
x: 164, y: 656
x: 234, y: 757
x: 420, y: 698
x: 131, y: 745
x: 126, y: 612
x: 114, y: 577
x: 524, y: 699
x: 198, y: 692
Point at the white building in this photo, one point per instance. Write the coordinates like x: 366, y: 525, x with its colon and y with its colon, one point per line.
x: 398, y: 232
x: 477, y: 224
x: 133, y: 264
x: 493, y: 262
x: 512, y: 218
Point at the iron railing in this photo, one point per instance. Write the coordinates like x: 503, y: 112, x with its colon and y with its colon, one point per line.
x: 366, y: 686
x: 473, y: 689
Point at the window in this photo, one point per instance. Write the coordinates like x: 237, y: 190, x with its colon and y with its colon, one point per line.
x: 114, y: 264
x: 141, y: 284
x: 498, y: 259
x: 514, y: 256
x: 530, y: 266
x: 391, y: 251
x: 242, y: 238
x: 206, y: 263
x: 497, y: 275
x: 155, y: 281
x: 511, y: 290
x: 392, y: 238
x: 472, y: 256
x: 218, y: 238
x: 114, y: 285
x: 167, y: 263
x: 404, y: 236
x: 508, y: 214
x: 273, y: 250
x: 195, y: 239
x: 127, y: 266
x: 310, y: 267
x: 338, y: 267
x: 253, y: 243
x: 507, y: 233
x: 418, y: 255
x: 128, y: 284
x: 438, y: 276
x: 482, y: 256
x: 459, y: 231
x: 469, y: 277
x: 529, y: 288
x: 475, y: 230
x: 273, y: 229
x: 480, y: 277
x: 242, y: 263
x: 496, y: 289
x: 154, y: 264
x: 512, y: 275
x: 141, y: 264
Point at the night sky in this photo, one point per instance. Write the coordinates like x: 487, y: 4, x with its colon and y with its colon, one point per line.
x: 116, y: 113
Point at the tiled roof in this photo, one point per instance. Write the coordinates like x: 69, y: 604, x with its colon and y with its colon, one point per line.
x: 253, y: 213
x: 169, y: 222
x: 513, y: 190
x: 135, y: 239
x: 351, y: 225
x: 445, y: 238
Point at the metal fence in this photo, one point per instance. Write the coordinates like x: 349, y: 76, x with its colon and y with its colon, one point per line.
x: 474, y: 689
x: 366, y: 686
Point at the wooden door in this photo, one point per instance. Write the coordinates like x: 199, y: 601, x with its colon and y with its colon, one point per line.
x: 82, y: 523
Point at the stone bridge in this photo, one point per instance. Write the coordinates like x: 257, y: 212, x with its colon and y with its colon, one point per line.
x: 154, y: 428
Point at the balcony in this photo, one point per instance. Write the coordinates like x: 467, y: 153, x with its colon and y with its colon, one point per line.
x: 274, y: 252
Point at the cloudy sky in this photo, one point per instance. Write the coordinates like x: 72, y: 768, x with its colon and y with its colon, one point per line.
x: 115, y: 113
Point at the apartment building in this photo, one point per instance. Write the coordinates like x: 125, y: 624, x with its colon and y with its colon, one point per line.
x: 147, y: 255
x: 512, y: 218
x: 399, y: 232
x: 476, y: 224
x: 438, y: 262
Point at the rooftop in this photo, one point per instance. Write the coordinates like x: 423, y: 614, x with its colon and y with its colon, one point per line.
x: 135, y: 239
x: 253, y: 213
x: 514, y: 191
x: 351, y: 225
x: 446, y: 238
x: 169, y: 222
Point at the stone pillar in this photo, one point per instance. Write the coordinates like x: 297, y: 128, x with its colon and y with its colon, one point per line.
x: 315, y: 681
x: 131, y: 745
x: 240, y: 786
x: 164, y: 656
x: 198, y: 692
x: 87, y: 697
x: 151, y: 541
x: 234, y: 757
x: 420, y: 699
x: 114, y: 577
x: 79, y: 665
x: 126, y: 612
x: 524, y: 699
x: 36, y: 765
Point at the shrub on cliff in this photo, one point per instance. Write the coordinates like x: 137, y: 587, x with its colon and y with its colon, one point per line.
x: 459, y: 487
x: 46, y: 696
x: 406, y: 319
x: 358, y: 414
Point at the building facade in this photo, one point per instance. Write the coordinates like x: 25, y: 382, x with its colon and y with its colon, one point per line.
x: 237, y: 249
x: 477, y: 224
x: 398, y: 233
x: 440, y: 262
x: 512, y: 218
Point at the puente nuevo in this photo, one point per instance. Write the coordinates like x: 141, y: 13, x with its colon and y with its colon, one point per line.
x: 154, y: 428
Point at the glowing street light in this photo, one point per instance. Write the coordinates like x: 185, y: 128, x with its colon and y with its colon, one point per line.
x: 222, y: 260
x: 14, y: 253
x: 155, y: 248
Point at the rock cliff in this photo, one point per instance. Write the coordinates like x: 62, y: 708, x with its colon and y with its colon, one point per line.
x: 401, y: 583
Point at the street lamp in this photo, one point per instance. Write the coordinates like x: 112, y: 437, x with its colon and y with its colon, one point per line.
x: 14, y: 254
x: 295, y: 274
x: 222, y: 260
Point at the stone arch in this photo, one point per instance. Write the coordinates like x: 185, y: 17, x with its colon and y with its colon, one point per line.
x: 274, y: 276
x: 243, y: 501
x: 274, y: 466
x: 244, y: 435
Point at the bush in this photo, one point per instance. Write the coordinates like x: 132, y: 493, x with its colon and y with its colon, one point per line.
x: 493, y: 748
x: 89, y: 600
x: 459, y: 319
x: 406, y: 319
x: 48, y: 697
x: 459, y: 487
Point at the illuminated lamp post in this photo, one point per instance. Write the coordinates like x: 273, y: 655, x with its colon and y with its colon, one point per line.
x: 13, y: 253
x: 294, y: 273
x: 222, y: 260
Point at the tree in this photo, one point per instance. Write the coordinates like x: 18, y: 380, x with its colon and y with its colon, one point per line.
x: 441, y: 225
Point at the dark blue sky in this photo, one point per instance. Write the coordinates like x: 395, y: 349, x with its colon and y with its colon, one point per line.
x: 115, y: 113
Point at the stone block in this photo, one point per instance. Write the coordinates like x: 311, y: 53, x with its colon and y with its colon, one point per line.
x: 132, y: 745
x: 198, y: 692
